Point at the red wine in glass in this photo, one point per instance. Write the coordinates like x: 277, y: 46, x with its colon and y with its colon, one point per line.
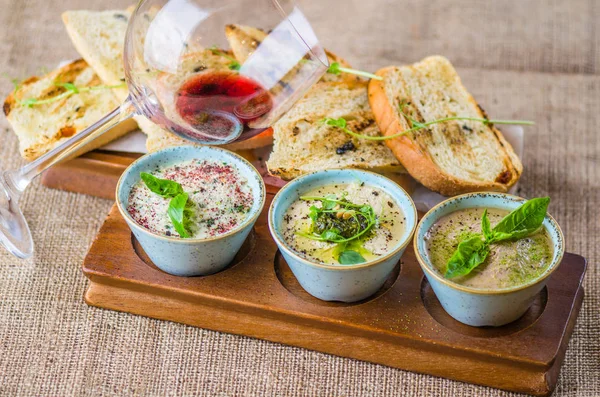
x: 221, y: 104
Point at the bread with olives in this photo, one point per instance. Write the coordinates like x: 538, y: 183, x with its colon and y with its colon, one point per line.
x: 303, y: 143
x: 453, y: 157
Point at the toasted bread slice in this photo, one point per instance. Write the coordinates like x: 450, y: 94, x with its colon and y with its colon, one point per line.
x: 244, y: 40
x: 304, y: 144
x: 99, y: 37
x: 453, y: 157
x: 42, y: 127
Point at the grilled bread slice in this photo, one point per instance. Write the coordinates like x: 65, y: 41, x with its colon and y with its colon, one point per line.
x: 244, y: 40
x: 453, y: 157
x: 43, y: 126
x: 304, y: 144
x: 99, y: 37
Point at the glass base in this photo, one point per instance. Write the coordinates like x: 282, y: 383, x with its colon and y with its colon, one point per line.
x: 14, y: 231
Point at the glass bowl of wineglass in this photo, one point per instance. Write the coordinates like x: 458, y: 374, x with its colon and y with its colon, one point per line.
x: 183, y: 75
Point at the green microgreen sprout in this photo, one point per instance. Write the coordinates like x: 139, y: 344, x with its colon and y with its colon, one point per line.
x: 15, y: 81
x: 341, y: 222
x: 336, y: 68
x: 415, y: 125
x: 233, y: 65
x: 70, y: 90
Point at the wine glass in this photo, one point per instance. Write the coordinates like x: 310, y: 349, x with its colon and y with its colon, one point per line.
x: 181, y: 76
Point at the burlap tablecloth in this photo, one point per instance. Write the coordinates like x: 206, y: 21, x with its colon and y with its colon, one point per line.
x: 532, y: 59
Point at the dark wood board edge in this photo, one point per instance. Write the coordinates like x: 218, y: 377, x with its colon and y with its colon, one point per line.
x: 95, y: 173
x: 554, y: 371
x: 494, y: 373
x: 498, y: 374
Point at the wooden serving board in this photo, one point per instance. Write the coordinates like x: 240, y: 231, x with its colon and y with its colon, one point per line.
x: 402, y: 326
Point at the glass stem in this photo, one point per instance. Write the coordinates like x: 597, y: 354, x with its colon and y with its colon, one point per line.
x: 18, y: 180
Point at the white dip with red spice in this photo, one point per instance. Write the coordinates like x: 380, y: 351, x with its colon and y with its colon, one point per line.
x: 220, y: 199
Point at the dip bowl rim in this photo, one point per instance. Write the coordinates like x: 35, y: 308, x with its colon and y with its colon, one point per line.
x: 427, y: 266
x: 179, y: 240
x: 283, y: 246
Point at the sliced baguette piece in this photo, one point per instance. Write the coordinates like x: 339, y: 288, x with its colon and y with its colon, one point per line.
x: 303, y: 144
x: 451, y: 158
x: 244, y: 40
x: 42, y: 127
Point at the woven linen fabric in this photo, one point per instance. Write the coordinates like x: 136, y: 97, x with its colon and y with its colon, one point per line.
x: 535, y: 59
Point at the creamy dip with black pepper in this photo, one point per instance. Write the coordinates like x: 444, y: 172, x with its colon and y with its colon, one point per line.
x: 509, y: 263
x: 381, y: 239
x: 219, y: 198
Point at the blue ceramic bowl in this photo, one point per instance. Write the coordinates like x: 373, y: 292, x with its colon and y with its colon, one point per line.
x: 190, y: 257
x: 474, y: 306
x: 346, y: 283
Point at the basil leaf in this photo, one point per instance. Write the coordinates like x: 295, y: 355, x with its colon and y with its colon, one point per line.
x: 177, y: 214
x: 523, y: 221
x: 469, y: 254
x: 486, y: 227
x: 162, y: 187
x: 350, y: 257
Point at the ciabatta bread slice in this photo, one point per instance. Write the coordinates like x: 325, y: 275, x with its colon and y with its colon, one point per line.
x: 99, y: 38
x: 304, y: 144
x: 453, y: 157
x: 244, y: 40
x: 42, y: 127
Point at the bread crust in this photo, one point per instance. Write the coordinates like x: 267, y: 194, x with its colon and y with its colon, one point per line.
x: 419, y: 164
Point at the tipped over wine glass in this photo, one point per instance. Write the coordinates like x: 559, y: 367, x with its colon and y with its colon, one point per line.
x: 181, y: 76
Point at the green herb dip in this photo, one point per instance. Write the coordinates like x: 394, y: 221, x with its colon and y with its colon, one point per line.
x: 509, y: 264
x: 381, y: 239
